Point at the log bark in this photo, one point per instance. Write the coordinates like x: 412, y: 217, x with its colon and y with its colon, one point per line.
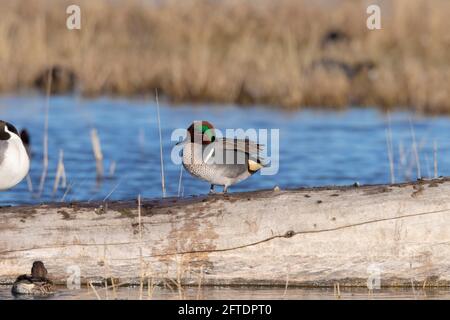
x: 302, y: 237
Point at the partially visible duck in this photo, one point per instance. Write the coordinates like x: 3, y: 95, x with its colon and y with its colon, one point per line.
x: 220, y: 161
x: 26, y: 140
x: 34, y: 284
x: 14, y: 159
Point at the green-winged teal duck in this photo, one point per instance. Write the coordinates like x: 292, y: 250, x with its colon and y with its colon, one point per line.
x: 220, y: 161
x: 34, y: 284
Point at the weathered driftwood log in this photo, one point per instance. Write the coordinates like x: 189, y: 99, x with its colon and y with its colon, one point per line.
x: 314, y: 236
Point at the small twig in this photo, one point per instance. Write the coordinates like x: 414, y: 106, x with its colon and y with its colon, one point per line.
x: 180, y: 181
x: 45, y: 144
x: 427, y: 163
x: 111, y: 277
x: 390, y: 149
x: 110, y: 193
x: 29, y: 184
x: 60, y: 173
x: 112, y: 169
x: 141, y: 266
x: 413, y: 288
x: 416, y: 153
x: 150, y: 288
x: 63, y: 198
x: 106, y: 289
x: 390, y: 155
x: 141, y: 287
x: 402, y: 159
x: 167, y: 284
x: 95, y: 291
x: 98, y: 155
x: 435, y: 159
x: 337, y: 290
x: 163, y: 182
x: 114, y: 288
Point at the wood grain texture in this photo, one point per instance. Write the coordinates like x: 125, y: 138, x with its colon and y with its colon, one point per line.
x: 306, y: 237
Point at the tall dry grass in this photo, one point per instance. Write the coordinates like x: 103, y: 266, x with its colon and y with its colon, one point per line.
x: 269, y: 52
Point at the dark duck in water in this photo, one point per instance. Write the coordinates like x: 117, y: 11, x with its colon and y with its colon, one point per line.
x: 34, y: 284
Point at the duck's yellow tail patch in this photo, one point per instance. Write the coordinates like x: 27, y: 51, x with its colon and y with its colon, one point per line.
x: 254, y: 166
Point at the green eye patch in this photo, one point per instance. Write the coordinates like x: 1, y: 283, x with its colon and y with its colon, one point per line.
x: 204, y: 129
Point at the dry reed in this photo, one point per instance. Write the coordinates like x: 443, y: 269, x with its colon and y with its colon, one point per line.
x: 29, y: 183
x: 141, y: 261
x: 161, y: 154
x: 95, y: 291
x: 45, y: 142
x: 112, y: 169
x: 415, y: 150
x: 98, y: 155
x: 60, y: 177
x: 390, y: 151
x: 180, y: 181
x: 435, y: 161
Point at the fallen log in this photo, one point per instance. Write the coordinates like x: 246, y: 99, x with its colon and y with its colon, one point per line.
x: 304, y: 237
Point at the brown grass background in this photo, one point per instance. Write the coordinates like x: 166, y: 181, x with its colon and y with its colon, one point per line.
x: 236, y: 51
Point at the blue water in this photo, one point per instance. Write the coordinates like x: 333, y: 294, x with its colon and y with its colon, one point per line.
x: 316, y: 147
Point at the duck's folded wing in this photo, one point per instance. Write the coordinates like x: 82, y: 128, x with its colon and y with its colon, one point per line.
x: 244, y: 145
x: 24, y: 277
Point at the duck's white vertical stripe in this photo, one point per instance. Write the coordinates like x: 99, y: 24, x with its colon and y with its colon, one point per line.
x: 209, y: 155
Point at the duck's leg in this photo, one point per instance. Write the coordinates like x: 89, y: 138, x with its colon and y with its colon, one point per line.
x: 225, y: 189
x: 211, y: 190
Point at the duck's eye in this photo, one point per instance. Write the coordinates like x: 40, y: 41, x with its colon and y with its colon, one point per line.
x: 208, y: 133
